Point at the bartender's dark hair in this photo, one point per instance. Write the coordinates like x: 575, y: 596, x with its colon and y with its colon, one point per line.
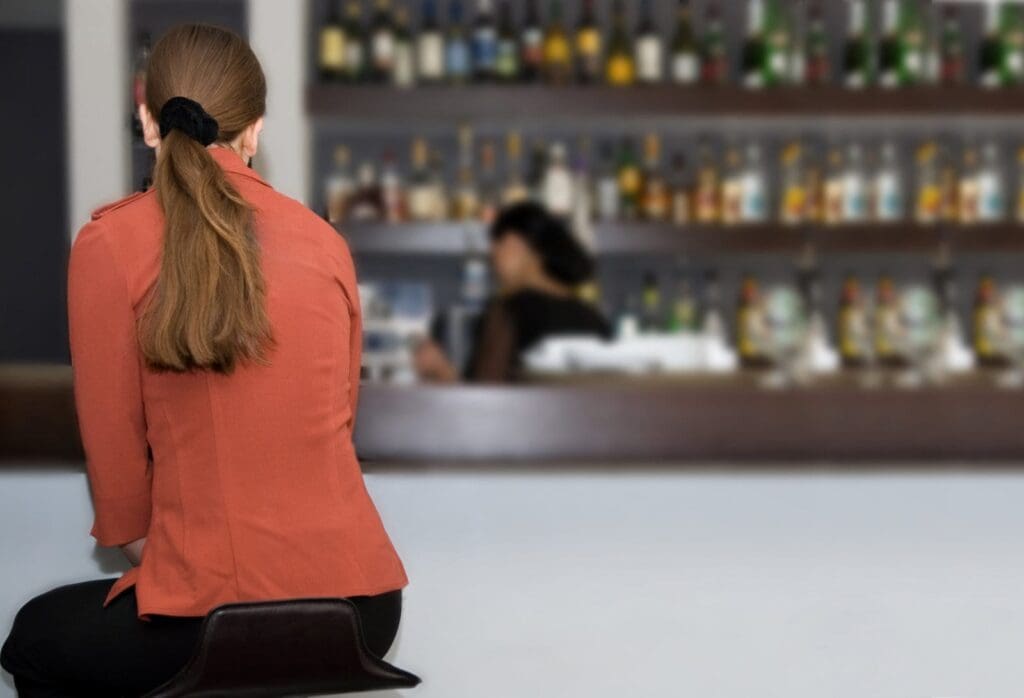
x: 561, y: 254
x: 207, y: 309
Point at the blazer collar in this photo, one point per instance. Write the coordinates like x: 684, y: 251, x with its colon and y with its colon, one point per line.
x: 232, y: 162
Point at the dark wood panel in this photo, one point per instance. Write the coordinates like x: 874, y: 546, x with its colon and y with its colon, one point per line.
x: 375, y: 102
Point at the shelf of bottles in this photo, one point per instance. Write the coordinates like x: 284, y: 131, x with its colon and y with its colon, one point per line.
x: 574, y: 59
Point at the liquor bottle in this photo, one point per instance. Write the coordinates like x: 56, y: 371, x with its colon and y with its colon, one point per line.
x: 987, y: 323
x: 712, y: 324
x: 683, y: 315
x: 886, y: 323
x: 392, y: 191
x: 339, y: 186
x: 683, y: 61
x: 754, y: 201
x: 857, y: 50
x: 681, y: 193
x: 557, y: 48
x: 749, y: 323
x: 143, y: 49
x: 490, y: 190
x: 707, y: 195
x: 991, y: 193
x: 355, y: 43
x: 655, y: 201
x: 532, y: 51
x: 515, y: 189
x: 834, y: 197
x: 949, y: 185
x: 1013, y: 43
x: 556, y: 188
x: 606, y: 188
x: 854, y: 335
x: 484, y: 43
x: 778, y: 37
x: 990, y: 50
x: 382, y: 42
x: 588, y: 46
x: 331, y: 48
x: 1020, y: 185
x: 466, y: 200
x: 366, y: 202
x: 439, y: 188
x: 507, y: 60
x: 793, y: 206
x: 650, y: 49
x: 620, y: 69
x: 714, y: 60
x: 855, y: 189
x: 650, y: 310
x: 430, y: 54
x: 951, y: 54
x: 582, y: 216
x: 458, y: 53
x: 889, y: 48
x: 421, y: 194
x: 912, y: 43
x: 817, y: 68
x: 929, y: 189
x: 535, y: 169
x: 403, y: 73
x: 814, y: 188
x: 967, y: 193
x: 630, y: 180
x: 754, y: 48
x: 887, y: 186
x: 731, y: 211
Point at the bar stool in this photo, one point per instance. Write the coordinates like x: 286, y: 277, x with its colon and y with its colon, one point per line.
x: 308, y: 646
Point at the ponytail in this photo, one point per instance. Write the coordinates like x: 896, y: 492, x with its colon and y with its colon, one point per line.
x: 207, y: 308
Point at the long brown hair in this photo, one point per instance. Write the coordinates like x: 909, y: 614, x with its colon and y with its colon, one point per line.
x: 207, y: 308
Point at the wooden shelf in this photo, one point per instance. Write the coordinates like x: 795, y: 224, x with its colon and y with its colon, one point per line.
x: 616, y: 239
x: 523, y: 102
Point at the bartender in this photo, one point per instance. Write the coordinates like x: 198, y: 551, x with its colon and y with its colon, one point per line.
x: 538, y: 264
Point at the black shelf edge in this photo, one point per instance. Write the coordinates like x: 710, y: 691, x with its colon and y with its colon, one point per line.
x: 629, y: 238
x: 388, y: 103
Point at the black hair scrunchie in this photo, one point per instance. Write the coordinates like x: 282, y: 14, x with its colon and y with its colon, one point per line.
x: 190, y: 118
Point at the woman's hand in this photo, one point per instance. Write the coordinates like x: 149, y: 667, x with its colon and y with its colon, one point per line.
x: 431, y: 364
x: 133, y: 551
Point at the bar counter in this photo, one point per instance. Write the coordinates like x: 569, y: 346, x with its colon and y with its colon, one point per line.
x: 664, y: 419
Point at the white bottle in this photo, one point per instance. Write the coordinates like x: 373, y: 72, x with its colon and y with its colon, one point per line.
x: 855, y: 193
x: 754, y: 198
x: 991, y: 194
x: 887, y: 187
x: 557, y: 187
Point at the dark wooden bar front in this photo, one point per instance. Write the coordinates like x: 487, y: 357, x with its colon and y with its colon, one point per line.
x: 669, y: 419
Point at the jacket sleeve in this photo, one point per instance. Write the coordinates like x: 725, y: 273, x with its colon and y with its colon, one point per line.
x: 107, y: 387
x: 350, y: 287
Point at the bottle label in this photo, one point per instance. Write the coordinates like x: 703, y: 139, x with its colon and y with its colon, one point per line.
x: 430, y: 56
x: 620, y: 70
x: 648, y: 59
x: 684, y: 68
x: 332, y: 49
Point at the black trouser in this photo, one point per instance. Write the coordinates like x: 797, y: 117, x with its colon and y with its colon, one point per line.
x: 65, y: 643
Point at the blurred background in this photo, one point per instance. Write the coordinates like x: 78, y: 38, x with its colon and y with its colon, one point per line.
x: 788, y: 436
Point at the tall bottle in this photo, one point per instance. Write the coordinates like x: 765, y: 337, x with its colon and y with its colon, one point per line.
x: 507, y: 59
x: 515, y: 188
x: 430, y: 54
x: 589, y: 54
x: 754, y: 46
x: 1013, y: 43
x: 484, y: 43
x: 651, y: 311
x: 952, y: 65
x: 749, y: 324
x: 991, y: 189
x: 817, y: 67
x: 886, y: 323
x: 890, y: 53
x: 382, y: 42
x: 339, y: 186
x: 681, y: 193
x: 857, y: 49
x: 557, y: 48
x: 532, y: 47
x: 834, y: 191
x: 606, y: 187
x: 620, y: 69
x: 356, y: 60
x: 466, y: 200
x: 855, y: 189
x: 489, y: 187
x: 854, y: 333
x: 707, y: 196
x: 986, y: 323
x: 887, y: 187
x: 778, y: 36
x: 630, y: 180
x: 731, y: 210
x: 458, y: 53
x: 793, y: 207
x: 754, y: 201
x: 403, y: 73
x: 557, y: 185
x: 714, y: 59
x: 650, y: 50
x: 421, y: 194
x: 929, y: 187
x: 656, y: 199
x: 331, y: 46
x: 683, y: 59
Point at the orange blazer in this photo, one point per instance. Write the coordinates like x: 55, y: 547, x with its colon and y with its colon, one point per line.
x: 252, y: 490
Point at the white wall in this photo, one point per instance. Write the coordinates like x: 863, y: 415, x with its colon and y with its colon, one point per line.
x: 658, y: 584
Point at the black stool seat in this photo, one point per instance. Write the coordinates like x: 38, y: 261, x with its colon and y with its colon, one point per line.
x: 283, y: 648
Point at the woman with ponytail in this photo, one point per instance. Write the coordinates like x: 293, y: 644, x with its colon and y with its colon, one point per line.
x: 215, y: 345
